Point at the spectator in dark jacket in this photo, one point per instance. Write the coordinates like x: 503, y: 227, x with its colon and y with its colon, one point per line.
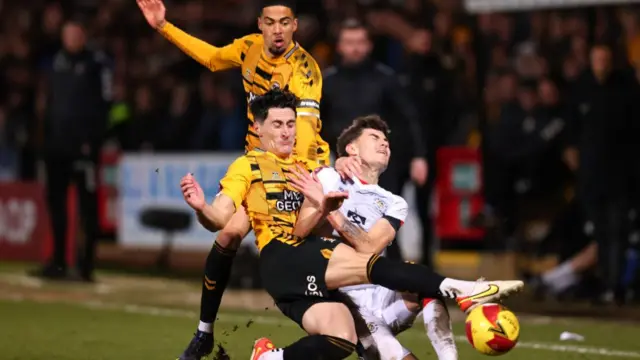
x: 603, y: 142
x: 79, y: 94
x: 359, y: 86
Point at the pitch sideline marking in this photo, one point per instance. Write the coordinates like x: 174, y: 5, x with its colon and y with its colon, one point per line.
x: 268, y: 320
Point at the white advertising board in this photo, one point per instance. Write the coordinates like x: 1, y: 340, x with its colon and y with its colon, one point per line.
x: 153, y: 181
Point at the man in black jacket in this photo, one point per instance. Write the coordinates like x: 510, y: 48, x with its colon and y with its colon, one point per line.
x: 358, y: 86
x: 604, y: 139
x: 79, y: 93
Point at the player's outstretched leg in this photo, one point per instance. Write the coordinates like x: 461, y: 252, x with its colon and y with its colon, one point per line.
x: 347, y: 267
x: 216, y: 277
x: 332, y: 336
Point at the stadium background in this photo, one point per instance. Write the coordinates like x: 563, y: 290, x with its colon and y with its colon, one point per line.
x: 171, y: 116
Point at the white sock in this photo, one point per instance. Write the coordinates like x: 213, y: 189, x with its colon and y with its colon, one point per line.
x: 205, y: 327
x: 437, y: 324
x: 397, y: 313
x: 275, y: 354
x: 561, y: 277
x: 452, y: 288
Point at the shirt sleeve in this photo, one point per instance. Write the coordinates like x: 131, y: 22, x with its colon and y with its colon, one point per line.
x: 214, y: 58
x: 329, y: 178
x: 396, y: 214
x: 306, y: 83
x: 236, y: 182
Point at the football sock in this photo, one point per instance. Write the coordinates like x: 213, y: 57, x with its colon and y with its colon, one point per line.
x: 405, y: 277
x: 397, y: 313
x: 205, y: 327
x: 317, y: 346
x: 437, y: 324
x: 217, y: 271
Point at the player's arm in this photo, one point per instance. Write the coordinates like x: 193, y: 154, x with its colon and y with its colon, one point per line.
x: 214, y: 58
x: 381, y: 233
x: 208, y: 55
x: 233, y: 190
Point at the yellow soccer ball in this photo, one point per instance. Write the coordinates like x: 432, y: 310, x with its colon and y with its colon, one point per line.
x: 492, y: 329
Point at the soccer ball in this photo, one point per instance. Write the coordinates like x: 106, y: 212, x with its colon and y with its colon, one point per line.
x: 492, y: 329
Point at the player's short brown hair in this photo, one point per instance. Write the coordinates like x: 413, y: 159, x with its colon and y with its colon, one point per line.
x: 353, y: 132
x: 272, y: 99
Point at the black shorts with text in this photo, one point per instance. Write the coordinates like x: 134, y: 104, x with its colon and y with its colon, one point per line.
x: 294, y: 275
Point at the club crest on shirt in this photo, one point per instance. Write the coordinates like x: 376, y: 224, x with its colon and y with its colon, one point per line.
x: 381, y: 205
x: 372, y: 327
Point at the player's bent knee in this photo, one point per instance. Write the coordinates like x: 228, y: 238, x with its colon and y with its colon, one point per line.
x: 231, y: 235
x: 229, y: 240
x: 332, y: 319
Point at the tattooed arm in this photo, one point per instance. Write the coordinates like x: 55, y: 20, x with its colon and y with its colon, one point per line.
x: 379, y: 236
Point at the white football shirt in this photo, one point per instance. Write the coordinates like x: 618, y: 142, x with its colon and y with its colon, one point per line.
x: 367, y: 203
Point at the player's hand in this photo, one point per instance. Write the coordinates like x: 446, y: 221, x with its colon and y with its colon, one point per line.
x: 154, y: 11
x: 333, y: 200
x: 419, y: 171
x: 192, y: 192
x: 305, y: 183
x: 349, y: 166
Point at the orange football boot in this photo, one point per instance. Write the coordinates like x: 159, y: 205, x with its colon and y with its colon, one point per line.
x: 260, y: 347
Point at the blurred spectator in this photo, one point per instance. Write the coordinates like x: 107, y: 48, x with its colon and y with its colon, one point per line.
x: 79, y: 94
x: 432, y: 90
x: 221, y: 125
x: 602, y: 138
x: 578, y: 254
x: 359, y: 86
x: 526, y: 145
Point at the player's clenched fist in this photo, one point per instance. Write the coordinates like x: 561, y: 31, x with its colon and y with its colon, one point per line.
x: 154, y: 11
x: 192, y: 192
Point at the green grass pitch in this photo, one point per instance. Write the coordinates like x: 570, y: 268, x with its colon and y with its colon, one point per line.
x: 139, y: 318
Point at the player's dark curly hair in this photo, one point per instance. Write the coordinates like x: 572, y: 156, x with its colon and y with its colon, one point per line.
x: 275, y: 98
x: 353, y: 132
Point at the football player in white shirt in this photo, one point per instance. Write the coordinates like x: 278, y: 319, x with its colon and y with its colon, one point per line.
x: 380, y: 213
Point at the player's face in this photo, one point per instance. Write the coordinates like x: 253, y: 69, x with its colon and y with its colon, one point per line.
x: 277, y: 24
x: 278, y: 131
x: 373, y: 148
x: 354, y: 45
